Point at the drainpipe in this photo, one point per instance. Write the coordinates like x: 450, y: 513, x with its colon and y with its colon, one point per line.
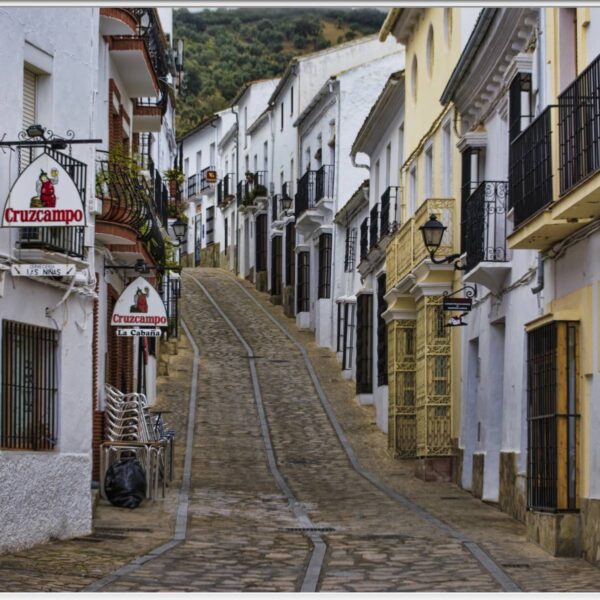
x: 540, y: 275
x: 237, y: 177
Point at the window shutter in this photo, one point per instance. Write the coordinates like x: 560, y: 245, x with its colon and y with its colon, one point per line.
x: 29, y: 112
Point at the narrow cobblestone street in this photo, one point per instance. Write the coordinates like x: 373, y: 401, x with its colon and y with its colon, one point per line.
x: 242, y: 531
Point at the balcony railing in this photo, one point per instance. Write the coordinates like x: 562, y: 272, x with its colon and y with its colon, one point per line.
x: 287, y: 190
x: 373, y: 227
x: 128, y: 200
x: 305, y: 196
x: 530, y: 169
x: 579, y: 127
x: 324, y: 182
x: 161, y: 200
x: 388, y: 217
x: 252, y: 187
x: 204, y: 183
x: 484, y: 223
x: 64, y: 240
x: 364, y: 239
x: 406, y: 250
x: 192, y: 186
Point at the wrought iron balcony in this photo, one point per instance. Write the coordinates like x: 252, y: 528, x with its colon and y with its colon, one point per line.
x: 287, y: 190
x: 252, y: 187
x: 204, y: 183
x: 374, y: 221
x: 483, y: 224
x: 305, y: 196
x: 161, y: 200
x: 192, y: 186
x: 128, y: 200
x: 324, y: 182
x: 579, y: 128
x: 63, y: 240
x: 364, y: 239
x: 530, y: 168
x: 388, y: 216
x: 150, y: 31
x: 275, y: 207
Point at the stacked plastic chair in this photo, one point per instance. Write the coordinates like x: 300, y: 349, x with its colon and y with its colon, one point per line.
x: 131, y: 432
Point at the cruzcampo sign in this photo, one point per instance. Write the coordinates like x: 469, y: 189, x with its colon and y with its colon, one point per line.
x: 44, y: 195
x: 139, y: 306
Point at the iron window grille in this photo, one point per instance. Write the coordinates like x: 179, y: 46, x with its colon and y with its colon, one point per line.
x: 364, y: 344
x: 350, y: 254
x: 325, y: 240
x: 192, y: 185
x: 303, y: 282
x: 348, y: 343
x: 261, y: 242
x: 373, y: 226
x: 364, y: 239
x: 276, y: 266
x: 382, y: 351
x: 29, y: 404
x: 388, y: 219
x: 552, y: 417
x: 340, y: 327
x: 290, y: 249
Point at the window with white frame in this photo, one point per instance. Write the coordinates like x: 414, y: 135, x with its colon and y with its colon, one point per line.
x: 412, y: 189
x: 447, y: 159
x: 429, y: 171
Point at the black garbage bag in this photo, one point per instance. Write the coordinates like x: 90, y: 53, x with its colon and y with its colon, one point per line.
x: 125, y: 483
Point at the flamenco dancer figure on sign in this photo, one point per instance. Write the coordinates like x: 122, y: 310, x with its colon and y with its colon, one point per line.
x: 46, y: 196
x: 140, y: 301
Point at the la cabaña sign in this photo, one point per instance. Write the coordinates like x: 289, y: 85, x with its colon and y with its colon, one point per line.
x: 44, y: 195
x: 139, y: 306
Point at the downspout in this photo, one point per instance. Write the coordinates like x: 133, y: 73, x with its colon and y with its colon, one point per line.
x: 237, y: 176
x: 338, y: 127
x: 540, y: 275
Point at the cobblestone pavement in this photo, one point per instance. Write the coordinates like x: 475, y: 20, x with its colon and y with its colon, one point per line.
x: 241, y: 531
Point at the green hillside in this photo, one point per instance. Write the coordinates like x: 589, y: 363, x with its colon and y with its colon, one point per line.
x: 226, y: 47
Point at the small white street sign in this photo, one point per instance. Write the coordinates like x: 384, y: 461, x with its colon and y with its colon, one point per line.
x: 42, y: 270
x: 138, y: 332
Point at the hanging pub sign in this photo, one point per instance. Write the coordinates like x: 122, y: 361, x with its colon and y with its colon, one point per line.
x: 44, y: 195
x: 211, y: 176
x: 130, y: 332
x: 462, y: 304
x: 139, y: 306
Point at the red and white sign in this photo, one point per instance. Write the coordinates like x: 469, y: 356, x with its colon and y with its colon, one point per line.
x: 44, y: 196
x: 139, y: 306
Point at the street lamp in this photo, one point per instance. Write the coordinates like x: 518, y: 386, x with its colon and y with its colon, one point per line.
x: 432, y: 233
x: 180, y: 230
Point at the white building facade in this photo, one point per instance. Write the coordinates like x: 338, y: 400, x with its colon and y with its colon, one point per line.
x: 379, y: 145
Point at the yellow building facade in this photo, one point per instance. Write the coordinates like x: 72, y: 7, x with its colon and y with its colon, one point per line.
x: 423, y: 352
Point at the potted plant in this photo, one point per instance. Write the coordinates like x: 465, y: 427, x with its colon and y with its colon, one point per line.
x: 175, y: 177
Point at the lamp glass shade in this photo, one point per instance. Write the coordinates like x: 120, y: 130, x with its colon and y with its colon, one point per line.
x: 180, y: 229
x: 286, y: 202
x: 34, y: 131
x: 432, y: 232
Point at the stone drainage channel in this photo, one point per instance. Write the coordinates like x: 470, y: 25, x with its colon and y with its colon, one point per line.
x: 319, y: 547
